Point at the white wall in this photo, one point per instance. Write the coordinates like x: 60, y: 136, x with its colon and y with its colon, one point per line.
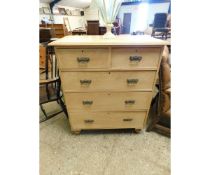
x: 157, y: 8
x: 75, y: 21
x: 91, y: 13
x: 142, y: 14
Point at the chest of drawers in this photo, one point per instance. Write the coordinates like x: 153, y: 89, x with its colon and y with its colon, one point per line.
x: 108, y: 84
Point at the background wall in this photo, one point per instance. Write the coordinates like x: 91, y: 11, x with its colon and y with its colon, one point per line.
x: 75, y: 21
x: 142, y: 14
x: 91, y: 13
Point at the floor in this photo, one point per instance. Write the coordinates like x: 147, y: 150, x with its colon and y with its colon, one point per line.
x: 115, y: 152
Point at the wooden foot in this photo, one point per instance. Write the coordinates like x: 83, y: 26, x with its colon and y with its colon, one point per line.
x: 76, y: 132
x: 137, y: 131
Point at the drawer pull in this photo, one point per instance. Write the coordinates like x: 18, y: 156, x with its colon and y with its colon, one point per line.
x: 85, y: 82
x: 132, y: 81
x: 87, y: 102
x: 83, y: 59
x: 127, y: 119
x: 135, y: 58
x: 131, y: 102
x: 88, y: 121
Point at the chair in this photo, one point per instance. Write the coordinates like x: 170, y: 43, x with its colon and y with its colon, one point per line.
x: 67, y: 27
x: 160, y: 25
x: 49, y: 91
x: 50, y: 84
x: 162, y: 117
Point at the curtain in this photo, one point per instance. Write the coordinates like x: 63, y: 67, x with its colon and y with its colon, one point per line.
x: 108, y: 9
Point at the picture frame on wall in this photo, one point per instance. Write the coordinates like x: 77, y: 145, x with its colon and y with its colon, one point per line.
x: 46, y: 10
x: 76, y: 12
x: 68, y: 12
x: 62, y: 11
x: 41, y: 11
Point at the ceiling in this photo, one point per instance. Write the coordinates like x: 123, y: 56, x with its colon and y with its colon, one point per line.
x: 70, y: 3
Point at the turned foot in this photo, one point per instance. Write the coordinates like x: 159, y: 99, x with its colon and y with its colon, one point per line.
x: 76, y: 132
x: 137, y: 131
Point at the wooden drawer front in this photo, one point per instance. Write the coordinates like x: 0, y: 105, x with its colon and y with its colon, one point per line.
x: 84, y: 81
x: 129, y: 58
x: 108, y: 101
x: 83, y: 58
x: 107, y: 120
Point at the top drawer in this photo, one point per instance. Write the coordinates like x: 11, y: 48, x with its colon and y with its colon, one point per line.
x: 135, y: 58
x: 83, y: 58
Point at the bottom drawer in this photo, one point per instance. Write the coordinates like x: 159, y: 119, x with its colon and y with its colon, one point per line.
x: 107, y: 120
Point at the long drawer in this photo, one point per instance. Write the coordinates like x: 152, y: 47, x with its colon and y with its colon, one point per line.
x: 107, y: 120
x: 83, y: 58
x: 130, y: 58
x: 108, y: 101
x: 85, y: 81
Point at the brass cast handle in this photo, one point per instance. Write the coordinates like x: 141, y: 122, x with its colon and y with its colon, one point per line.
x: 87, y: 102
x: 135, y: 58
x: 85, y: 82
x: 132, y: 81
x: 88, y: 121
x: 127, y: 119
x: 83, y: 59
x: 131, y: 102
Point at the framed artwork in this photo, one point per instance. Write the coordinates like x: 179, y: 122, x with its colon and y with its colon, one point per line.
x: 41, y: 11
x: 62, y: 11
x: 76, y: 12
x: 46, y: 10
x: 68, y: 12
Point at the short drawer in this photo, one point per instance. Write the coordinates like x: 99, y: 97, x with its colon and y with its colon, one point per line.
x: 83, y: 58
x: 85, y: 81
x: 108, y: 101
x: 107, y: 120
x: 135, y: 58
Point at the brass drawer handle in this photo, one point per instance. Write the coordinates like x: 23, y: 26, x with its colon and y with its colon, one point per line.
x: 87, y: 102
x: 85, y: 82
x: 131, y: 102
x: 127, y: 119
x: 132, y: 81
x: 83, y: 59
x: 136, y: 58
x: 88, y: 121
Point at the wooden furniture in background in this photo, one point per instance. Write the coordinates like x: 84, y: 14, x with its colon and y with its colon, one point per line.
x: 79, y: 32
x: 58, y: 29
x: 108, y: 84
x: 102, y: 30
x: 42, y: 57
x: 93, y: 27
x: 45, y: 34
